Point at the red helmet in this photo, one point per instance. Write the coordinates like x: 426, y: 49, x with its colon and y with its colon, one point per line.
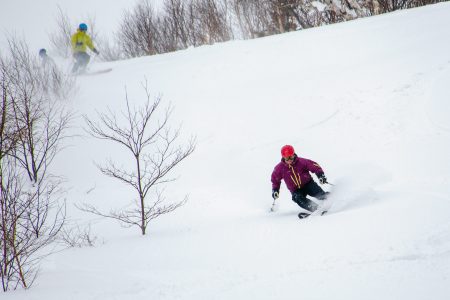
x: 287, y: 151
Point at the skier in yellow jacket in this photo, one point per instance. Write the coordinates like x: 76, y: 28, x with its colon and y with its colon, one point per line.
x: 80, y: 41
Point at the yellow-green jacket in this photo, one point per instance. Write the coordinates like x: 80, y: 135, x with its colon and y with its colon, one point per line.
x: 80, y: 40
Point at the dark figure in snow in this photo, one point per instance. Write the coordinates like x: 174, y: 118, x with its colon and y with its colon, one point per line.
x: 295, y: 171
x: 46, y: 60
x: 80, y: 41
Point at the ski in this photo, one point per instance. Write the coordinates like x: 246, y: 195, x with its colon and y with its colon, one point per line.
x: 89, y: 73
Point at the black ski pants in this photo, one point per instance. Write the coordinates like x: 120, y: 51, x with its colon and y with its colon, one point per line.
x: 310, y: 189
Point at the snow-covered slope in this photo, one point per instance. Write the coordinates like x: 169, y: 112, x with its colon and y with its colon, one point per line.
x: 366, y: 99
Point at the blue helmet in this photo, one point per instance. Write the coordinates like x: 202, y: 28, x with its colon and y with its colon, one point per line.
x: 82, y: 27
x: 42, y: 52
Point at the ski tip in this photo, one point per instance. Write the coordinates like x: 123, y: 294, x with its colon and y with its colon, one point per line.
x: 303, y: 215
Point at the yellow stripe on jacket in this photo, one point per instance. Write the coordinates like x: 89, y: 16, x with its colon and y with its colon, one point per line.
x: 296, y: 179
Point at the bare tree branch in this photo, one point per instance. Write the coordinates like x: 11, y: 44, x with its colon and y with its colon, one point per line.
x: 152, y: 145
x: 32, y: 212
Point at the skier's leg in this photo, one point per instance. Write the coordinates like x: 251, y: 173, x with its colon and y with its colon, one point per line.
x: 75, y: 68
x: 76, y: 65
x: 314, y: 190
x: 79, y: 62
x: 84, y: 60
x: 299, y: 197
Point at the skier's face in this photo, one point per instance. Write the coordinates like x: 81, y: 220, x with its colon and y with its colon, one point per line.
x: 289, y: 159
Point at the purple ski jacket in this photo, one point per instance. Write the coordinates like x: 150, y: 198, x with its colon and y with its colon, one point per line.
x: 295, y: 175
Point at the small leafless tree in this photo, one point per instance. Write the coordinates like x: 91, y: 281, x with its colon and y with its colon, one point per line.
x: 8, y: 132
x: 213, y: 24
x: 31, y: 127
x: 139, y: 31
x: 184, y: 23
x: 391, y: 5
x: 77, y: 236
x: 154, y: 153
x: 37, y: 93
x: 30, y: 220
x: 178, y: 25
x: 253, y: 17
x: 177, y: 29
x: 60, y: 39
x: 417, y: 3
x: 110, y: 50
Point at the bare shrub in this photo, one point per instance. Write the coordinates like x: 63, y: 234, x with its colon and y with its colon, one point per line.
x: 180, y: 24
x: 391, y: 5
x: 26, y: 227
x: 253, y: 18
x: 417, y: 3
x: 110, y: 50
x: 304, y: 14
x: 184, y: 23
x: 9, y: 134
x: 32, y: 212
x: 38, y: 110
x: 77, y: 236
x: 60, y: 39
x: 31, y: 218
x: 177, y: 28
x: 152, y: 147
x: 212, y: 19
x: 139, y: 33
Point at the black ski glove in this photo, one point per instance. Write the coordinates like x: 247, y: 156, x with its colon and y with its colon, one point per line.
x: 96, y: 51
x: 275, y: 194
x: 322, y: 178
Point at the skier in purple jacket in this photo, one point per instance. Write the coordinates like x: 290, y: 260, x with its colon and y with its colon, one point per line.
x: 295, y: 171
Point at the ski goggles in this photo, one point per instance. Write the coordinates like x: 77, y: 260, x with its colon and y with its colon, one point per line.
x: 288, y: 158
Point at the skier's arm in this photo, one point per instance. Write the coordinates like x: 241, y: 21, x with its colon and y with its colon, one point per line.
x: 90, y: 44
x: 73, y: 41
x: 314, y: 167
x: 317, y: 169
x: 275, y: 187
x: 276, y: 180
